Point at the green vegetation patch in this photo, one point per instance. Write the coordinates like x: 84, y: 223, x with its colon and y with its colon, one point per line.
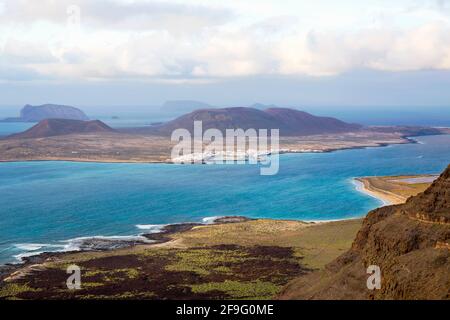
x: 88, y: 285
x: 240, y: 290
x: 201, y: 272
x: 12, y: 290
x: 205, y: 261
x: 113, y: 275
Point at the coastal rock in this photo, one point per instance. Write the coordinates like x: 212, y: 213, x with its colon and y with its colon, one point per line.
x: 231, y: 219
x: 107, y: 243
x: 166, y: 231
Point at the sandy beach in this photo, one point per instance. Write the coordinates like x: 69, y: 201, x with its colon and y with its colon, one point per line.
x: 394, y: 190
x: 363, y: 185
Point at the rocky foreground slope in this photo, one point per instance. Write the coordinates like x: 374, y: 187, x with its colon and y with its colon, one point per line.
x: 410, y: 244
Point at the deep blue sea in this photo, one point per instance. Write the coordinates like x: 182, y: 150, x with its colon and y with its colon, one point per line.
x: 44, y: 204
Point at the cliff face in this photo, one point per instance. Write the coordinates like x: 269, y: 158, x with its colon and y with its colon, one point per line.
x: 410, y: 244
x: 432, y: 205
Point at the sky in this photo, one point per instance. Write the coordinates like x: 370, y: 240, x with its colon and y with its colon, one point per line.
x: 294, y: 53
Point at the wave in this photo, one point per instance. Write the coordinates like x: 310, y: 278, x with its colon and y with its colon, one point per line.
x: 359, y: 186
x: 331, y: 220
x: 31, y: 249
x: 211, y: 220
x: 30, y: 246
x: 19, y: 257
x: 94, y: 243
x: 151, y: 228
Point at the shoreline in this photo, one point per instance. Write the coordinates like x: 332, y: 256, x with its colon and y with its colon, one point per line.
x: 158, y: 237
x: 110, y: 243
x: 363, y: 187
x: 407, y: 140
x: 148, y: 239
x: 386, y: 197
x: 393, y: 190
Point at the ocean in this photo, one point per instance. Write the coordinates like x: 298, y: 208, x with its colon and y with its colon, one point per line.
x: 48, y: 206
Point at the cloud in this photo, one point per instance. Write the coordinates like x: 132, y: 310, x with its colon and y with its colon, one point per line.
x: 425, y: 47
x: 21, y: 52
x: 121, y: 40
x: 443, y: 5
x: 148, y: 15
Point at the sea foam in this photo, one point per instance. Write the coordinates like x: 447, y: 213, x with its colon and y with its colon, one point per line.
x: 19, y: 257
x: 151, y: 228
x: 30, y: 246
x: 211, y: 220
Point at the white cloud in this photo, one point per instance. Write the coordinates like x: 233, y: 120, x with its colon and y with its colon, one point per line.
x: 425, y: 47
x: 171, y: 41
x: 116, y: 14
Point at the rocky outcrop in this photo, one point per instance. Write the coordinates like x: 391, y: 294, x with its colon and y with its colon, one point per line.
x: 58, y: 127
x: 433, y: 205
x: 410, y: 244
x: 48, y: 111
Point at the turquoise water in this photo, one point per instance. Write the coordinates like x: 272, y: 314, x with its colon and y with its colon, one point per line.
x: 44, y: 203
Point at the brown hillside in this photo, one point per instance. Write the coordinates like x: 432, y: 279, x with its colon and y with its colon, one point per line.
x: 58, y: 127
x: 290, y: 122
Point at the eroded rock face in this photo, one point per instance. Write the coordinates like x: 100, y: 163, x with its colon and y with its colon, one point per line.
x: 434, y: 204
x: 410, y: 244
